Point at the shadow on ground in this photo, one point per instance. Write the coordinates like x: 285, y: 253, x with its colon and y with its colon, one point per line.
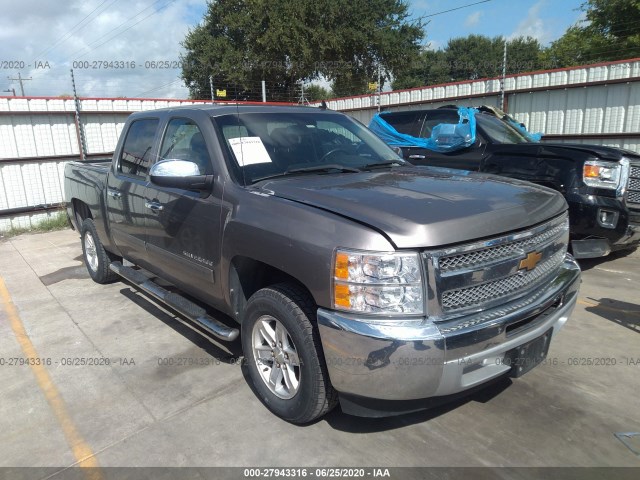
x: 196, y: 337
x: 589, y: 263
x: 621, y: 313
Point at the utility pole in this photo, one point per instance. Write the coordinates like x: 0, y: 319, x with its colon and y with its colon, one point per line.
x: 504, y: 74
x: 79, y: 127
x: 11, y: 90
x: 21, y: 80
x: 264, y: 92
x: 379, y: 86
x: 302, y: 100
x: 211, y: 88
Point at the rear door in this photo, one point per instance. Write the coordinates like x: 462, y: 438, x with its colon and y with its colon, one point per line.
x: 183, y: 227
x: 465, y: 159
x: 126, y: 186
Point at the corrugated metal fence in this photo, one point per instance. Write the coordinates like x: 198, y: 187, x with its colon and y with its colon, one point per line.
x: 39, y: 135
x: 589, y: 104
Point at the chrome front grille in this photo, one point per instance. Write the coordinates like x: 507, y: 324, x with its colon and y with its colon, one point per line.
x: 633, y: 187
x: 491, y: 254
x: 482, y: 275
x: 480, y: 294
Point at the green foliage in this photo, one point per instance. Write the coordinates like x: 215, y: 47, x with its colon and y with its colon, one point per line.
x: 55, y: 221
x: 241, y: 42
x: 316, y: 92
x: 471, y: 57
x: 611, y: 31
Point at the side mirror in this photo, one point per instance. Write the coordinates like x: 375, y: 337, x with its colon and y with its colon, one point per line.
x: 398, y: 151
x: 179, y: 174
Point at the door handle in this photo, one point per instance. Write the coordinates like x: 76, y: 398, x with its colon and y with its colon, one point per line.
x: 421, y: 157
x: 114, y: 193
x: 155, y: 206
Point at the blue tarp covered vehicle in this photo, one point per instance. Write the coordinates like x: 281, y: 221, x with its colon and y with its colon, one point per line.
x: 445, y: 137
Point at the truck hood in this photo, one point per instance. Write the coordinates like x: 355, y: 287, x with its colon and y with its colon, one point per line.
x: 605, y: 153
x: 417, y: 207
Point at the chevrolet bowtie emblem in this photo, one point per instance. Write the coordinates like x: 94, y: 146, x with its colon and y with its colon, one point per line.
x: 530, y: 261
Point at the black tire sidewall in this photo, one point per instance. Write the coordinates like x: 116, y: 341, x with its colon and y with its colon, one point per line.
x: 102, y: 273
x: 295, y: 409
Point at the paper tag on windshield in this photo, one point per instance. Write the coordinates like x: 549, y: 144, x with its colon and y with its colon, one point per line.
x: 249, y: 150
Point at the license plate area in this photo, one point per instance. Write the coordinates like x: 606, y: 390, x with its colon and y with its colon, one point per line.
x: 527, y: 356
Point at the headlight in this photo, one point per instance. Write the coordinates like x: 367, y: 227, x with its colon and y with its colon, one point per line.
x: 378, y: 283
x: 602, y: 174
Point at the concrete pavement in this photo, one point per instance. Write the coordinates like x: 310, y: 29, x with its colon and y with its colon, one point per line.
x: 147, y: 391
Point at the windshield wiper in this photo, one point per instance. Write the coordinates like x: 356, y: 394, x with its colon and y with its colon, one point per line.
x: 312, y: 169
x: 323, y: 168
x: 388, y: 163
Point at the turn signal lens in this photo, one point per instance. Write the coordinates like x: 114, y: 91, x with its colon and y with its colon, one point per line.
x: 592, y: 171
x: 342, y: 296
x: 342, y: 266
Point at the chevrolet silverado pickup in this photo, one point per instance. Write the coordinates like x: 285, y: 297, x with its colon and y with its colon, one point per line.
x: 351, y: 276
x: 601, y: 184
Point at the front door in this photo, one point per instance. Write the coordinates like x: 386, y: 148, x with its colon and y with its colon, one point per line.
x: 183, y: 227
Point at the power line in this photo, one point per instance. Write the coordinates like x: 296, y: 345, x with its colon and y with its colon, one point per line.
x: 82, y: 54
x: 70, y: 32
x: 158, y: 88
x: 451, y: 9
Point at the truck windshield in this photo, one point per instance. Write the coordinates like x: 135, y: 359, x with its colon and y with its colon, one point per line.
x: 499, y: 131
x: 265, y: 145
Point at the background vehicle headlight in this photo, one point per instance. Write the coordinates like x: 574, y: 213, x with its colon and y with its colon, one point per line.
x: 602, y: 174
x: 378, y: 283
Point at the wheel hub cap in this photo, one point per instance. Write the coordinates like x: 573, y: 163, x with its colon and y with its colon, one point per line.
x: 276, y: 357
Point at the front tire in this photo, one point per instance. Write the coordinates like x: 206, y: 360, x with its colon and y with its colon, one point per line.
x: 96, y: 258
x: 284, y: 356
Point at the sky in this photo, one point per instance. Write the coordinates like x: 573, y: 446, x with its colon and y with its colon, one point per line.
x: 41, y: 40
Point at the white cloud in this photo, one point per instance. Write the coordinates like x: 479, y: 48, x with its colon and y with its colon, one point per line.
x: 472, y: 19
x: 59, y: 33
x: 533, y: 25
x: 434, y: 45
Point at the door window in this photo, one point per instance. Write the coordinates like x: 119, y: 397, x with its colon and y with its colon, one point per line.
x: 134, y: 159
x: 404, y: 122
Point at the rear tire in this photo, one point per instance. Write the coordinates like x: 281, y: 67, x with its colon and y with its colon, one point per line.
x: 283, y: 354
x: 96, y: 258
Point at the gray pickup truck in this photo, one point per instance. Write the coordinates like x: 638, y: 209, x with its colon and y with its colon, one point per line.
x: 353, y: 276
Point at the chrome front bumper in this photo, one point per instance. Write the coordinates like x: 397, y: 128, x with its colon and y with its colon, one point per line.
x: 416, y: 358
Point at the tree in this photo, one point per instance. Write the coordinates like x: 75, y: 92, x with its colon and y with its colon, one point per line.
x: 610, y: 31
x: 241, y: 42
x: 315, y: 92
x: 524, y: 54
x: 471, y: 57
x: 475, y: 56
x: 430, y: 67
